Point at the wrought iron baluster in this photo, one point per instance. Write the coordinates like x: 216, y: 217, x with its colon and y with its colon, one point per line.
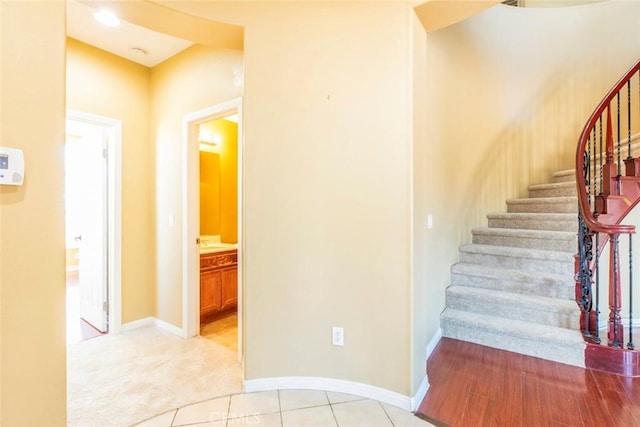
x: 585, y: 247
x: 601, y: 159
x: 594, y: 156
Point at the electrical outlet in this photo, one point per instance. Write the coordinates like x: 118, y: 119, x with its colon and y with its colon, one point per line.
x: 337, y: 336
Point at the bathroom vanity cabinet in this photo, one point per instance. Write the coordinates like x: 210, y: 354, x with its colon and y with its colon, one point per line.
x: 218, y: 284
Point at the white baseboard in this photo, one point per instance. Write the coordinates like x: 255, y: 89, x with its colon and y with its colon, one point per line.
x: 329, y: 384
x: 434, y: 342
x: 424, y: 385
x: 420, y: 394
x: 137, y: 324
x: 603, y: 325
x: 152, y: 321
x: 165, y: 326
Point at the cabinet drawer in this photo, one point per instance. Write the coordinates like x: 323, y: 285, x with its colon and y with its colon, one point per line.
x: 218, y: 259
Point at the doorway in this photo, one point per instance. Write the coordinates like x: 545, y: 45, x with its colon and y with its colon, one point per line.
x: 92, y: 225
x: 192, y: 125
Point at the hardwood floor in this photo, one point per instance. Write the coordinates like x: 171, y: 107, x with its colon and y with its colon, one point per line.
x: 472, y: 385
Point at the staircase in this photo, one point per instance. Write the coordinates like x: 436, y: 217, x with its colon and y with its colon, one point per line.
x: 514, y: 287
x: 517, y: 285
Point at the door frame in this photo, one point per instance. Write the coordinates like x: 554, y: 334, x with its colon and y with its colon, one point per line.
x: 191, y: 215
x: 114, y: 214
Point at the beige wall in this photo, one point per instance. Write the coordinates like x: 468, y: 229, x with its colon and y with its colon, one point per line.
x: 327, y: 188
x: 437, y: 14
x: 195, y: 79
x: 423, y: 326
x: 32, y: 253
x: 104, y: 84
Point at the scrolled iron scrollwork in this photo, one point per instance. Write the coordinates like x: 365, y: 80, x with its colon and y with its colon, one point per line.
x: 585, y: 274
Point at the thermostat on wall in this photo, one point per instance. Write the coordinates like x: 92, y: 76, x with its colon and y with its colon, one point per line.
x: 11, y: 166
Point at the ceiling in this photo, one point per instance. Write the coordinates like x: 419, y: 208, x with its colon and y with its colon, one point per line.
x: 129, y: 41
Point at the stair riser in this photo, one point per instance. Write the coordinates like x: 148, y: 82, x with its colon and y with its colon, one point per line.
x: 529, y: 224
x: 496, y: 339
x: 551, y: 290
x: 526, y: 264
x: 553, y: 192
x: 503, y: 308
x: 526, y: 242
x: 565, y: 178
x: 560, y: 207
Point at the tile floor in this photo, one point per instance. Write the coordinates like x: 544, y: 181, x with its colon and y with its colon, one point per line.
x: 280, y: 408
x: 284, y: 408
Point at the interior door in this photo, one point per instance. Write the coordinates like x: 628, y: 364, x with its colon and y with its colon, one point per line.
x: 87, y: 215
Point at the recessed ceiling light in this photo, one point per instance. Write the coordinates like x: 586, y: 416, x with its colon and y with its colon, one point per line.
x: 108, y: 18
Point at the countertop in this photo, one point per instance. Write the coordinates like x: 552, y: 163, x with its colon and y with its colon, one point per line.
x: 208, y: 248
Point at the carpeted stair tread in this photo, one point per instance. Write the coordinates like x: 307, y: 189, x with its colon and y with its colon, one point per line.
x: 533, y: 200
x: 568, y: 184
x: 556, y: 189
x: 533, y: 308
x: 544, y: 204
x: 538, y: 234
x: 564, y: 241
x: 524, y: 258
x: 534, y: 221
x: 516, y: 252
x: 544, y: 341
x: 538, y: 216
x: 565, y: 204
x: 513, y: 280
x: 568, y: 175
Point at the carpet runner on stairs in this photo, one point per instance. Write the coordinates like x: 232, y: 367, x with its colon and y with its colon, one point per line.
x: 513, y: 288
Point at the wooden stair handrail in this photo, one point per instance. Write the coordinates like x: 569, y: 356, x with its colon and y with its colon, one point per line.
x: 583, y: 197
x: 601, y: 212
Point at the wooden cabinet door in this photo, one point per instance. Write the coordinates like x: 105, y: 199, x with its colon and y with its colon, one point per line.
x: 210, y: 295
x: 229, y: 287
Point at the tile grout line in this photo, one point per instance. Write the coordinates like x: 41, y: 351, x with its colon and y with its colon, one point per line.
x: 331, y: 408
x: 226, y: 423
x: 386, y: 413
x: 173, y: 419
x: 280, y: 409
